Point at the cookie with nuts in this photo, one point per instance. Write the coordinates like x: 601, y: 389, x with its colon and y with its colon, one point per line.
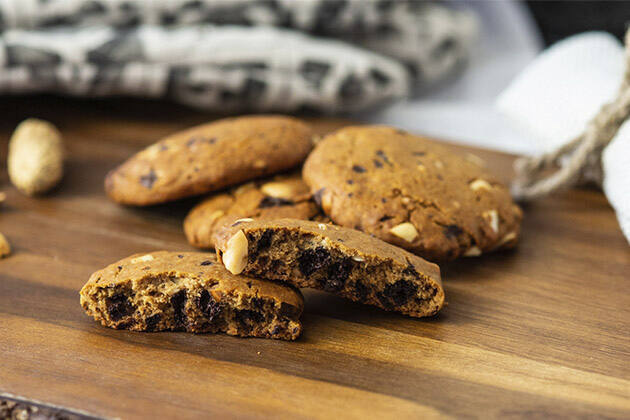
x: 209, y: 158
x: 282, y: 196
x: 411, y: 192
x: 190, y: 291
x: 343, y: 261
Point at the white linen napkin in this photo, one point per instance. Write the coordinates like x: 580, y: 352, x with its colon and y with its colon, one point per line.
x: 616, y: 162
x: 555, y: 96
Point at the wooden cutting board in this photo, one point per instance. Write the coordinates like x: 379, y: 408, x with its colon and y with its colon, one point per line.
x: 541, y: 331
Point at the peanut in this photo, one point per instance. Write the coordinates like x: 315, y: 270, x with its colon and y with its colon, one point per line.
x: 35, y: 161
x: 405, y: 231
x: 143, y: 258
x: 509, y: 237
x: 473, y: 251
x: 235, y: 256
x: 277, y: 190
x: 479, y: 184
x: 493, y: 219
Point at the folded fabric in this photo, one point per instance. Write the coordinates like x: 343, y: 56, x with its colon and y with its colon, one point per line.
x: 556, y: 96
x: 431, y: 39
x: 553, y: 98
x: 214, y: 67
x: 616, y: 163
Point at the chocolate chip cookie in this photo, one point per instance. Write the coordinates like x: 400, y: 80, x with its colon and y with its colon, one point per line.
x: 208, y: 158
x: 273, y: 198
x: 343, y: 261
x: 411, y: 192
x: 191, y: 292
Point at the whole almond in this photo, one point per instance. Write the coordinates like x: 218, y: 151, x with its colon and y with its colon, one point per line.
x: 35, y: 162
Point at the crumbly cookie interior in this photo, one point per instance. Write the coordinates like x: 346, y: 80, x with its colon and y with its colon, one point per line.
x: 308, y: 260
x: 174, y: 303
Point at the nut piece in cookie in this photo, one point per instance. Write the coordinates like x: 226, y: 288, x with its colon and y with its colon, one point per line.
x: 210, y: 157
x: 343, y: 261
x: 169, y: 291
x: 235, y: 255
x: 282, y: 196
x: 411, y: 192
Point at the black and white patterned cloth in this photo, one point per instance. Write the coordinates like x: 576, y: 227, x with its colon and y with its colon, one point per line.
x: 285, y: 55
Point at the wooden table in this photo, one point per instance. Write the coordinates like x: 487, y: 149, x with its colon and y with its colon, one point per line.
x: 542, y: 331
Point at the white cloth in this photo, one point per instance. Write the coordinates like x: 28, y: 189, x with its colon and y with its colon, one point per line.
x: 616, y: 160
x: 554, y: 97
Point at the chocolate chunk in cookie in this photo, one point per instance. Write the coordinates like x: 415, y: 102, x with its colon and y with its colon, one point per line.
x: 343, y: 261
x: 210, y: 157
x: 411, y: 192
x: 163, y: 291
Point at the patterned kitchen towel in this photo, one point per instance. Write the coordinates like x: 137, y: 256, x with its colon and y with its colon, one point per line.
x: 224, y: 68
x: 192, y: 51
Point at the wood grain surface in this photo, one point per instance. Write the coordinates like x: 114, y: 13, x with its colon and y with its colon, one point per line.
x: 542, y: 331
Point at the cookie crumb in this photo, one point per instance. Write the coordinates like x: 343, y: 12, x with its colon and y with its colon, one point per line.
x: 5, y: 248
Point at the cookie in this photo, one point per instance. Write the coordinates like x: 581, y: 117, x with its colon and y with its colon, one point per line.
x: 283, y: 196
x: 189, y: 291
x: 411, y: 192
x: 208, y: 158
x: 343, y: 261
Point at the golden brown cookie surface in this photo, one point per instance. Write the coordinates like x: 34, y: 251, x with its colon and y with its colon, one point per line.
x: 281, y: 196
x: 190, y: 291
x: 208, y: 158
x: 411, y: 192
x: 343, y: 261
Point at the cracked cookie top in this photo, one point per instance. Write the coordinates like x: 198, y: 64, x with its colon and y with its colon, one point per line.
x: 411, y: 192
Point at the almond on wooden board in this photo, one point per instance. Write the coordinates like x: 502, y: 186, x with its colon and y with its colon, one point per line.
x: 35, y: 161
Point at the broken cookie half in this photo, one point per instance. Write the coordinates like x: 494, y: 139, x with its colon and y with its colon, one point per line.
x: 343, y: 261
x: 192, y: 292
